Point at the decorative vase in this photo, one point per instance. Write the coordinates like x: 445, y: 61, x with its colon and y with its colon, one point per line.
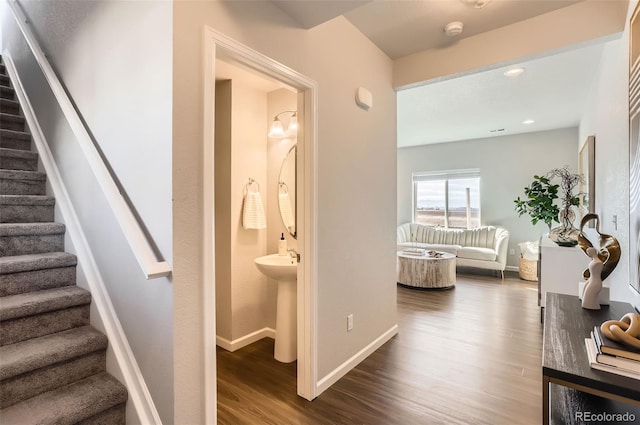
x: 565, y: 234
x: 607, y: 245
x: 591, y: 294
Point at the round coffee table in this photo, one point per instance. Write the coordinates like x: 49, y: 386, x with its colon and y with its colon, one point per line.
x: 427, y: 271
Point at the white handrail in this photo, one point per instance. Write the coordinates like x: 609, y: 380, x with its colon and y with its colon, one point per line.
x: 142, y: 249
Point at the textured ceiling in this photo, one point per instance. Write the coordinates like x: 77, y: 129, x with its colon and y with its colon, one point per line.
x: 551, y: 91
x: 403, y: 27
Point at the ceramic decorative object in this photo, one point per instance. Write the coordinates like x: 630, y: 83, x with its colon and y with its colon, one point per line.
x: 626, y: 330
x: 594, y: 283
x: 607, y: 246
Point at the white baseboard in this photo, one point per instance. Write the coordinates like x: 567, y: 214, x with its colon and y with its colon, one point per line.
x: 345, y: 367
x: 237, y: 344
x: 512, y: 268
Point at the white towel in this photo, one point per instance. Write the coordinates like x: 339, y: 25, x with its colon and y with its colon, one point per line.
x: 286, y: 211
x: 253, y: 212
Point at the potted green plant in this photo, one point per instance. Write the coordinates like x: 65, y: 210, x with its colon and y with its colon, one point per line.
x: 539, y: 201
x: 540, y: 205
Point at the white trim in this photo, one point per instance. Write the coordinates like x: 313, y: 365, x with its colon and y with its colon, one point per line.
x: 634, y: 299
x: 239, y: 343
x: 512, y: 268
x: 208, y: 239
x: 133, y: 232
x: 219, y: 45
x: 333, y: 377
x: 134, y: 381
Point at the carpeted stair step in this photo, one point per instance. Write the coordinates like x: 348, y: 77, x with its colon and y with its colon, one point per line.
x: 7, y: 92
x: 12, y: 122
x: 33, y: 367
x: 10, y: 139
x: 37, y: 353
x: 84, y: 402
x: 4, y: 80
x: 31, y: 238
x: 30, y: 384
x: 26, y: 208
x: 16, y: 182
x: 15, y: 140
x: 9, y: 106
x: 16, y: 159
x: 34, y: 314
x: 34, y: 272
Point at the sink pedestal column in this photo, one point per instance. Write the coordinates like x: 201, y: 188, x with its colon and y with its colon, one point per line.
x: 286, y: 347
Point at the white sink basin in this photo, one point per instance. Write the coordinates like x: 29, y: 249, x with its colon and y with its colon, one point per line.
x: 279, y: 267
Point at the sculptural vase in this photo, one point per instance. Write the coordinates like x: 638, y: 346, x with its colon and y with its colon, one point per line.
x: 565, y: 234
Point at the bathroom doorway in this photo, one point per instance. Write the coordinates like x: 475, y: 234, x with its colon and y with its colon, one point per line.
x: 221, y: 52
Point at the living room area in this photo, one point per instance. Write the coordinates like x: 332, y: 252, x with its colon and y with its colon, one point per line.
x: 467, y: 151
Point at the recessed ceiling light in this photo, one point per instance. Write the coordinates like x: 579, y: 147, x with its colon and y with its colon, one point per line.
x: 514, y: 72
x: 527, y: 122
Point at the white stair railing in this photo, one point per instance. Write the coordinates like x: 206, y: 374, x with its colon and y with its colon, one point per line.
x: 133, y: 231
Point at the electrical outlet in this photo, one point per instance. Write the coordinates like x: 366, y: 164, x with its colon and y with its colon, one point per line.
x: 350, y: 322
x: 512, y: 251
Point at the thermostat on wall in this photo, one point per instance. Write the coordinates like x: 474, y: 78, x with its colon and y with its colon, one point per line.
x: 364, y: 98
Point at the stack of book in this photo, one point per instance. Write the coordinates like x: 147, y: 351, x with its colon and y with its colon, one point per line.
x: 611, y: 356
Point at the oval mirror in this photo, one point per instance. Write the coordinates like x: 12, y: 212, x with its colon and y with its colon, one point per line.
x: 287, y: 191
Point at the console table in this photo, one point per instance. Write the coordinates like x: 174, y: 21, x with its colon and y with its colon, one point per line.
x: 569, y: 385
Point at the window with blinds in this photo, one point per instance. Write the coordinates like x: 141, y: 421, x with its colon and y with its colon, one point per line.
x: 449, y: 199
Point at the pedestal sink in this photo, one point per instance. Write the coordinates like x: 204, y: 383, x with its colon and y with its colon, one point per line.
x: 284, y: 269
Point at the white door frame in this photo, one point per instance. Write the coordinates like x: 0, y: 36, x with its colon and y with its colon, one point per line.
x: 217, y: 45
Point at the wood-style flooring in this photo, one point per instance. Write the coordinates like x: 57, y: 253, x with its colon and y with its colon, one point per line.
x: 470, y: 355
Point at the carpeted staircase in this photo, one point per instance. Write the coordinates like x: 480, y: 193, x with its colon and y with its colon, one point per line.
x: 52, y: 362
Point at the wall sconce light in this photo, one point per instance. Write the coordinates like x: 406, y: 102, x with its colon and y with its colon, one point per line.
x: 277, y: 129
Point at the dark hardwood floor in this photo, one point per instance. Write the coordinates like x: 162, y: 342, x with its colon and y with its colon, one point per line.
x: 470, y: 355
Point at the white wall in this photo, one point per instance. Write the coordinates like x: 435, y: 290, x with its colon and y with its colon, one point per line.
x: 245, y: 299
x: 241, y: 290
x: 222, y: 203
x: 607, y: 117
x: 357, y: 179
x: 94, y: 47
x: 248, y: 160
x: 277, y: 149
x: 507, y: 164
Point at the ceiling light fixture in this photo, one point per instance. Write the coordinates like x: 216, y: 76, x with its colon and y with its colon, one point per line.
x: 478, y: 4
x: 277, y: 129
x: 453, y: 29
x: 527, y: 122
x: 514, y: 72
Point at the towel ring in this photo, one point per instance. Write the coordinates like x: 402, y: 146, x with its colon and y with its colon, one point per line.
x: 252, y: 181
x: 283, y: 185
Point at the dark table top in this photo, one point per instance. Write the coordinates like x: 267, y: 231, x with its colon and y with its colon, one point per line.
x: 564, y: 354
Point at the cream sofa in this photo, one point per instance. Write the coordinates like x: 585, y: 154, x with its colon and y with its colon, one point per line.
x: 484, y: 247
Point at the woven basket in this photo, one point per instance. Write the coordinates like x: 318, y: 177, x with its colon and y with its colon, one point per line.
x: 528, y: 269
